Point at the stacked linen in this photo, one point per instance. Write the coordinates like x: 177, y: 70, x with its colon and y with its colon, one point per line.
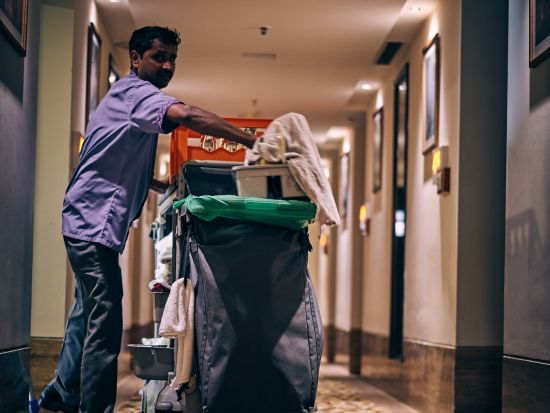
x: 163, y: 268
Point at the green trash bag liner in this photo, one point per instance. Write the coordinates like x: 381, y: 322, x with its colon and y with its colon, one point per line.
x: 290, y: 214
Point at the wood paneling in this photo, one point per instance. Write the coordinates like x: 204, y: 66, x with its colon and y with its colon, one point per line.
x: 44, y: 355
x: 478, y: 379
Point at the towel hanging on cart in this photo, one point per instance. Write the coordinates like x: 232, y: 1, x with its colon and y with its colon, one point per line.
x: 303, y: 161
x: 178, y: 322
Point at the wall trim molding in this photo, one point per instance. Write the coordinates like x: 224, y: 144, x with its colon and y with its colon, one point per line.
x: 461, y: 379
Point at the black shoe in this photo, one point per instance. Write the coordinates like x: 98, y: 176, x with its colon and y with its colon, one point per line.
x: 50, y: 399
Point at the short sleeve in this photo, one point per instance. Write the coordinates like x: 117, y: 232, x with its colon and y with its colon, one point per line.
x: 148, y: 107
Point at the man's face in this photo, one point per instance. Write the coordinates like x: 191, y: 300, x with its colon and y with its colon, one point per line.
x: 157, y: 65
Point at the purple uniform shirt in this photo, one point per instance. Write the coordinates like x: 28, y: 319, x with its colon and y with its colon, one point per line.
x: 111, y: 182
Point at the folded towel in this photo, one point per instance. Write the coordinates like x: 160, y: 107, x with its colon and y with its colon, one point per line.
x: 155, y: 341
x: 178, y: 322
x: 303, y: 161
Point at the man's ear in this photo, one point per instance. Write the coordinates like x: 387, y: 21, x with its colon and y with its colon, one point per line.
x: 134, y: 59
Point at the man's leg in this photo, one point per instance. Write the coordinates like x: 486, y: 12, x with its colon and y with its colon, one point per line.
x: 99, y: 278
x: 67, y: 380
x: 64, y: 390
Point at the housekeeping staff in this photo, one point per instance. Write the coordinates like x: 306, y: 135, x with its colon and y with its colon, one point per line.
x: 105, y: 194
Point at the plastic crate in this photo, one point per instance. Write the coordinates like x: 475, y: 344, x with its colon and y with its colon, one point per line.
x: 186, y: 144
x: 267, y: 181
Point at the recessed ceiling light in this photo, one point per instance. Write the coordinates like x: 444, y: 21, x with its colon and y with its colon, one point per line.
x: 416, y: 9
x: 114, y: 1
x: 366, y: 86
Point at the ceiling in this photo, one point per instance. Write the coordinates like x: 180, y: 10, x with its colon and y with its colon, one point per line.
x: 324, y: 50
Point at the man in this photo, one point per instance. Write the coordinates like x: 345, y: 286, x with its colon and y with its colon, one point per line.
x: 105, y: 194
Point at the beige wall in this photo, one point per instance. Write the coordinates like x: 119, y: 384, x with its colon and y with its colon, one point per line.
x: 431, y: 243
x: 86, y: 12
x: 343, y: 250
x: 52, y: 171
x: 137, y: 261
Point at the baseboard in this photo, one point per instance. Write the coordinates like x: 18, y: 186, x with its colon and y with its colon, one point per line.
x: 478, y: 379
x: 436, y: 378
x: 44, y: 354
x: 341, y: 340
x: 525, y: 385
x: 330, y: 343
x: 426, y: 376
x: 14, y: 388
x: 374, y: 344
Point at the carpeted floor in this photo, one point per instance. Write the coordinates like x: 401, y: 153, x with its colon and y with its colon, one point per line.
x: 338, y: 393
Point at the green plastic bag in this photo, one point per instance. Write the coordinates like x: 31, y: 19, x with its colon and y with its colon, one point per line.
x: 282, y: 213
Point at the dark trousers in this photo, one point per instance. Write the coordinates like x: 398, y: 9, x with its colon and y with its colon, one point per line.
x: 86, y: 373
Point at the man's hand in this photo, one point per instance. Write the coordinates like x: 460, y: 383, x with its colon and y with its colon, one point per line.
x: 159, y: 186
x: 208, y: 123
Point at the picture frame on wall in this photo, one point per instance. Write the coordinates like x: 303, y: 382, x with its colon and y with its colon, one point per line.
x: 13, y: 22
x: 430, y: 94
x: 378, y: 144
x: 93, y: 69
x: 113, y: 76
x: 344, y: 193
x: 539, y: 31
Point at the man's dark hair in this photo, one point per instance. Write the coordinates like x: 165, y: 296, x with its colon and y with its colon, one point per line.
x: 142, y: 39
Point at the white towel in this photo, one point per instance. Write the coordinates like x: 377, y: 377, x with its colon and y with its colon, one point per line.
x: 178, y: 322
x: 164, y: 249
x: 303, y: 161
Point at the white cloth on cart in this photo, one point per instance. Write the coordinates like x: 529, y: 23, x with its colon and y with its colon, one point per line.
x: 178, y: 322
x: 163, y: 269
x: 303, y: 161
x: 164, y: 249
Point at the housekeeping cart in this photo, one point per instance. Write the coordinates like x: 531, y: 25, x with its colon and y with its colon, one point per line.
x: 258, y: 332
x: 155, y: 363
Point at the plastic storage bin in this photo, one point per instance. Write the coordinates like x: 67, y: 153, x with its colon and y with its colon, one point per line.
x: 186, y: 144
x: 152, y: 362
x: 267, y: 181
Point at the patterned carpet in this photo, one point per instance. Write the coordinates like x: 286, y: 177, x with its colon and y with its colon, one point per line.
x: 336, y: 394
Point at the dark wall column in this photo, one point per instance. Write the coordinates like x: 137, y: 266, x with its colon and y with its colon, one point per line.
x: 481, y: 216
x: 18, y: 101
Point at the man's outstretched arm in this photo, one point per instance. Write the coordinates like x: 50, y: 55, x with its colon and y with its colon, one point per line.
x: 207, y: 123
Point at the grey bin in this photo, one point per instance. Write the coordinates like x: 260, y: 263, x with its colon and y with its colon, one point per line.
x: 152, y: 362
x: 159, y: 301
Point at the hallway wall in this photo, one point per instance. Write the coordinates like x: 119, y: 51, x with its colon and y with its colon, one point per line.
x: 431, y: 243
x: 527, y: 286
x: 18, y: 102
x: 52, y: 171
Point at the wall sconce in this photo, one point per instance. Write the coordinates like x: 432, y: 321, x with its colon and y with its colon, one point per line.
x: 364, y: 219
x: 441, y: 172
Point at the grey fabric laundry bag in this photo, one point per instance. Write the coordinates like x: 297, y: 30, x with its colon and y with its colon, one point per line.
x: 258, y: 329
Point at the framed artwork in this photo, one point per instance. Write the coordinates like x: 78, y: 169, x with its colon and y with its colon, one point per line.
x: 378, y: 119
x: 113, y: 74
x: 13, y: 21
x: 92, y: 72
x: 430, y: 94
x: 539, y: 31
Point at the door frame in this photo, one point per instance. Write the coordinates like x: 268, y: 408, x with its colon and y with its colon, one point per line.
x: 399, y: 202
